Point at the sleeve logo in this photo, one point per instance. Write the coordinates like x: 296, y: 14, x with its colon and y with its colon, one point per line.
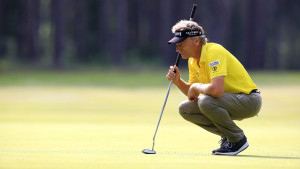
x: 215, y: 63
x: 214, y: 69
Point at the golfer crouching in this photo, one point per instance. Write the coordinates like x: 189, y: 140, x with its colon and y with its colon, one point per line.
x: 219, y: 89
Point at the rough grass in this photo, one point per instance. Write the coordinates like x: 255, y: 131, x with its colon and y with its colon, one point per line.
x: 95, y: 126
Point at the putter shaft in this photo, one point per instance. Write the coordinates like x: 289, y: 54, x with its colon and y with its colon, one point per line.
x: 146, y: 151
x: 161, y: 113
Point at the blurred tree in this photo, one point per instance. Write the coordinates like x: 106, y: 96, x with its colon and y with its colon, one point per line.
x: 261, y: 34
x: 106, y: 30
x: 27, y: 31
x: 1, y: 31
x: 103, y: 30
x: 46, y: 43
x: 234, y: 33
x: 120, y: 36
x: 255, y: 40
x: 81, y: 34
x: 59, y: 35
x: 113, y: 30
x: 273, y: 34
x: 165, y: 23
x: 132, y: 29
x: 290, y: 36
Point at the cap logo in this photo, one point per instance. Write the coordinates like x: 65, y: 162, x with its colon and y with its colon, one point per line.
x: 187, y: 33
x: 178, y: 34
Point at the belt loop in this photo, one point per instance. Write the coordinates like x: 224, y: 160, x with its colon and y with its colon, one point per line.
x: 255, y: 91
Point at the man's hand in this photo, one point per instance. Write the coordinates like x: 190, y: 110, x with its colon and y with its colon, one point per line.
x: 172, y: 75
x: 194, y: 92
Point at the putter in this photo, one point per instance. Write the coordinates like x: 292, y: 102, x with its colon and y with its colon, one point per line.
x: 147, y: 151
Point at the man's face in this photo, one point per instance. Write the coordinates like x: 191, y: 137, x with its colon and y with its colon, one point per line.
x: 187, y: 48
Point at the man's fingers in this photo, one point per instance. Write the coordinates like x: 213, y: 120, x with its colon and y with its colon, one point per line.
x: 172, y: 69
x: 192, y: 98
x: 170, y: 77
x: 176, y: 68
x: 172, y: 74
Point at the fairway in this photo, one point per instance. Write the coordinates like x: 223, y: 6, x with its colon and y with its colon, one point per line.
x: 90, y: 127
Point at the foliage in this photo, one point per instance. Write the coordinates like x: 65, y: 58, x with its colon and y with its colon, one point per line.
x: 263, y: 35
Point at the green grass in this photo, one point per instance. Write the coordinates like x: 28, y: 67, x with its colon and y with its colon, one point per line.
x: 119, y: 78
x: 76, y: 125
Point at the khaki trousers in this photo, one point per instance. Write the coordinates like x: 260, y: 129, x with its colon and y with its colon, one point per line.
x: 216, y: 115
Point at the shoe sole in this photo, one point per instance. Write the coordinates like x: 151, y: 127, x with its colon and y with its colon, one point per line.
x: 246, y: 145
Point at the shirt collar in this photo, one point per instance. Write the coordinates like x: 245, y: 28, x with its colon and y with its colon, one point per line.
x: 203, y: 53
x: 193, y: 61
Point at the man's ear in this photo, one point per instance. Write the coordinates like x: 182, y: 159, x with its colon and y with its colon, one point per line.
x: 197, y: 40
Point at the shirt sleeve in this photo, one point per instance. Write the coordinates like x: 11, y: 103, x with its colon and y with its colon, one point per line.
x: 217, y: 64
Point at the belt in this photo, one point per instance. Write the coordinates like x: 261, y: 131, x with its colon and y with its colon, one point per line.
x: 255, y: 91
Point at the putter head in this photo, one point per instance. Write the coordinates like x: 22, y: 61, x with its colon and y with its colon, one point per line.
x: 146, y: 151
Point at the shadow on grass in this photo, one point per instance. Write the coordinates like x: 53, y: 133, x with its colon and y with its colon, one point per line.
x: 236, y: 156
x: 271, y: 157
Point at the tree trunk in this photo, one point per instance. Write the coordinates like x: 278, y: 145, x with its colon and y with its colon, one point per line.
x: 255, y: 40
x: 167, y: 52
x: 81, y: 34
x: 121, y: 38
x: 1, y: 32
x: 104, y: 34
x: 274, y: 37
x: 27, y: 40
x: 113, y: 30
x: 58, y: 23
x: 133, y: 25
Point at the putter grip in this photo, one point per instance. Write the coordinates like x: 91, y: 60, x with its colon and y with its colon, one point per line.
x: 193, y: 11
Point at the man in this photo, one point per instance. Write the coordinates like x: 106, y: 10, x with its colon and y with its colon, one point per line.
x: 219, y: 89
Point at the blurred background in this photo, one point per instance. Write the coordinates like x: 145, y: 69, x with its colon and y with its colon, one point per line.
x: 63, y: 34
x: 82, y: 82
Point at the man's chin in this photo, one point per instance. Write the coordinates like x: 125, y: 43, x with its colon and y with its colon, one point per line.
x: 184, y: 57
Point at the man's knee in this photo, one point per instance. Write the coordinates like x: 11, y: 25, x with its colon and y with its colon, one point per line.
x: 206, y: 103
x: 183, y: 108
x: 186, y: 110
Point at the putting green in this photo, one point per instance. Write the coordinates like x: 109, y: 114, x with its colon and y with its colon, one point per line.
x: 97, y: 127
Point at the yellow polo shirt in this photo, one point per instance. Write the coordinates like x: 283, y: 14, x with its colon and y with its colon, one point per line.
x: 216, y: 61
